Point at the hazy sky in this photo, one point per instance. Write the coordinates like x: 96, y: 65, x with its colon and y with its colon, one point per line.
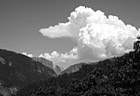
x: 21, y: 20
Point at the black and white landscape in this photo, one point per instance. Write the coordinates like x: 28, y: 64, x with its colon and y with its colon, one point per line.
x: 69, y: 48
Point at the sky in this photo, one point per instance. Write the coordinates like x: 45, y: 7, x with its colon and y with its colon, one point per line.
x: 25, y: 27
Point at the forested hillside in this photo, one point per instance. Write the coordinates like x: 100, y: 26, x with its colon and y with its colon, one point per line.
x: 18, y: 71
x: 118, y: 76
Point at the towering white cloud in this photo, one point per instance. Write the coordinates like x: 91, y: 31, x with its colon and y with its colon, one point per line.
x: 98, y: 36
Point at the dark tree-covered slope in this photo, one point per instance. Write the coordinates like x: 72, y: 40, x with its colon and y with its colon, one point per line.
x: 17, y: 70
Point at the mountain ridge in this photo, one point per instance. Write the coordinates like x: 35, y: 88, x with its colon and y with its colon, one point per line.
x: 17, y: 70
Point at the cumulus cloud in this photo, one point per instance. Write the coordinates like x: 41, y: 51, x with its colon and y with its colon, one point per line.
x: 26, y: 54
x: 61, y: 59
x: 98, y: 36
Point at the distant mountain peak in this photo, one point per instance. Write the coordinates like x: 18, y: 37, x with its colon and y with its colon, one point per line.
x: 49, y: 64
x: 73, y: 68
